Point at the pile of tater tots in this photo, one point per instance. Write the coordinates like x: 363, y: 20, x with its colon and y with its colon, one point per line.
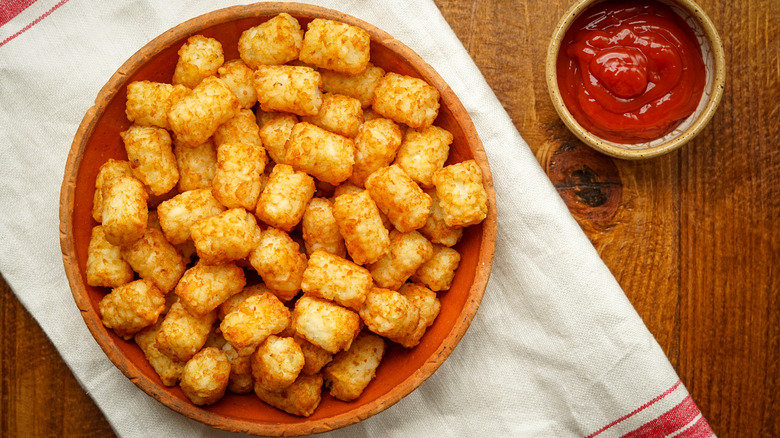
x: 300, y: 161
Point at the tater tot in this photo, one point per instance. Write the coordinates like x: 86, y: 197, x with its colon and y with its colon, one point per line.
x: 350, y: 371
x: 320, y: 231
x: 215, y: 338
x: 322, y: 154
x: 276, y: 41
x: 125, y: 212
x: 301, y: 398
x: 150, y: 153
x: 346, y: 188
x: 357, y: 217
x: 108, y: 170
x: 228, y: 236
x: 287, y: 88
x: 325, y: 323
x: 105, y: 265
x: 422, y: 152
x: 183, y: 334
x: 360, y: 86
x: 275, y: 133
x: 399, y: 197
x: 375, y: 147
x: 182, y: 211
x: 315, y: 357
x: 336, y: 46
x: 253, y: 320
x: 340, y: 114
x: 241, y: 128
x: 196, y: 165
x: 238, y: 77
x: 155, y: 259
x: 408, y: 251
x: 334, y: 278
x: 390, y: 314
x: 284, y: 198
x: 232, y: 303
x: 276, y: 363
x: 148, y: 102
x: 406, y: 100
x: 435, y: 229
x: 278, y: 260
x: 428, y: 306
x: 199, y: 58
x: 241, y: 380
x: 237, y: 176
x: 169, y: 370
x: 196, y: 116
x: 205, y: 376
x: 204, y: 287
x: 462, y: 196
x: 131, y: 307
x: 439, y: 271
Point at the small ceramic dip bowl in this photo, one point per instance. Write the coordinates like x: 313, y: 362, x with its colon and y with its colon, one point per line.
x: 714, y: 78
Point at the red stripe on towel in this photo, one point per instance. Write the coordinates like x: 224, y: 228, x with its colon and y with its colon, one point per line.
x: 701, y: 429
x: 670, y: 422
x: 11, y: 8
x: 34, y: 22
x: 636, y: 411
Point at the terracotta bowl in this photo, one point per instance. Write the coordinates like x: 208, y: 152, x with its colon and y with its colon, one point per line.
x: 714, y: 61
x: 402, y: 370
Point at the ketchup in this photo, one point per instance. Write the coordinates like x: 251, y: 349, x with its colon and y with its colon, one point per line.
x: 630, y: 71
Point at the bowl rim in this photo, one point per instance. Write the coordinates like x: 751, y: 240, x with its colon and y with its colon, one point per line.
x: 95, y: 325
x: 596, y: 142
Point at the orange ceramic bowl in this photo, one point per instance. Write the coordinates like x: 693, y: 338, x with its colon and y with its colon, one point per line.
x: 401, y: 370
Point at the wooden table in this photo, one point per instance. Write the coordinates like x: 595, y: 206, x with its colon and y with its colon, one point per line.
x: 692, y: 237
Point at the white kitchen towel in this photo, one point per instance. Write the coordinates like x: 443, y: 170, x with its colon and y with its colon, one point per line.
x: 555, y: 350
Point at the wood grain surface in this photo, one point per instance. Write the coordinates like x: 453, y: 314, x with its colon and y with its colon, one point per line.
x: 692, y: 237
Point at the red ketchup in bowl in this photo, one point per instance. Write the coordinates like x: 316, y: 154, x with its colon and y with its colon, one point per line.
x: 630, y: 71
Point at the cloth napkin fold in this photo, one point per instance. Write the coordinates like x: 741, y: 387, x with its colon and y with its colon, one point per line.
x: 555, y: 350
